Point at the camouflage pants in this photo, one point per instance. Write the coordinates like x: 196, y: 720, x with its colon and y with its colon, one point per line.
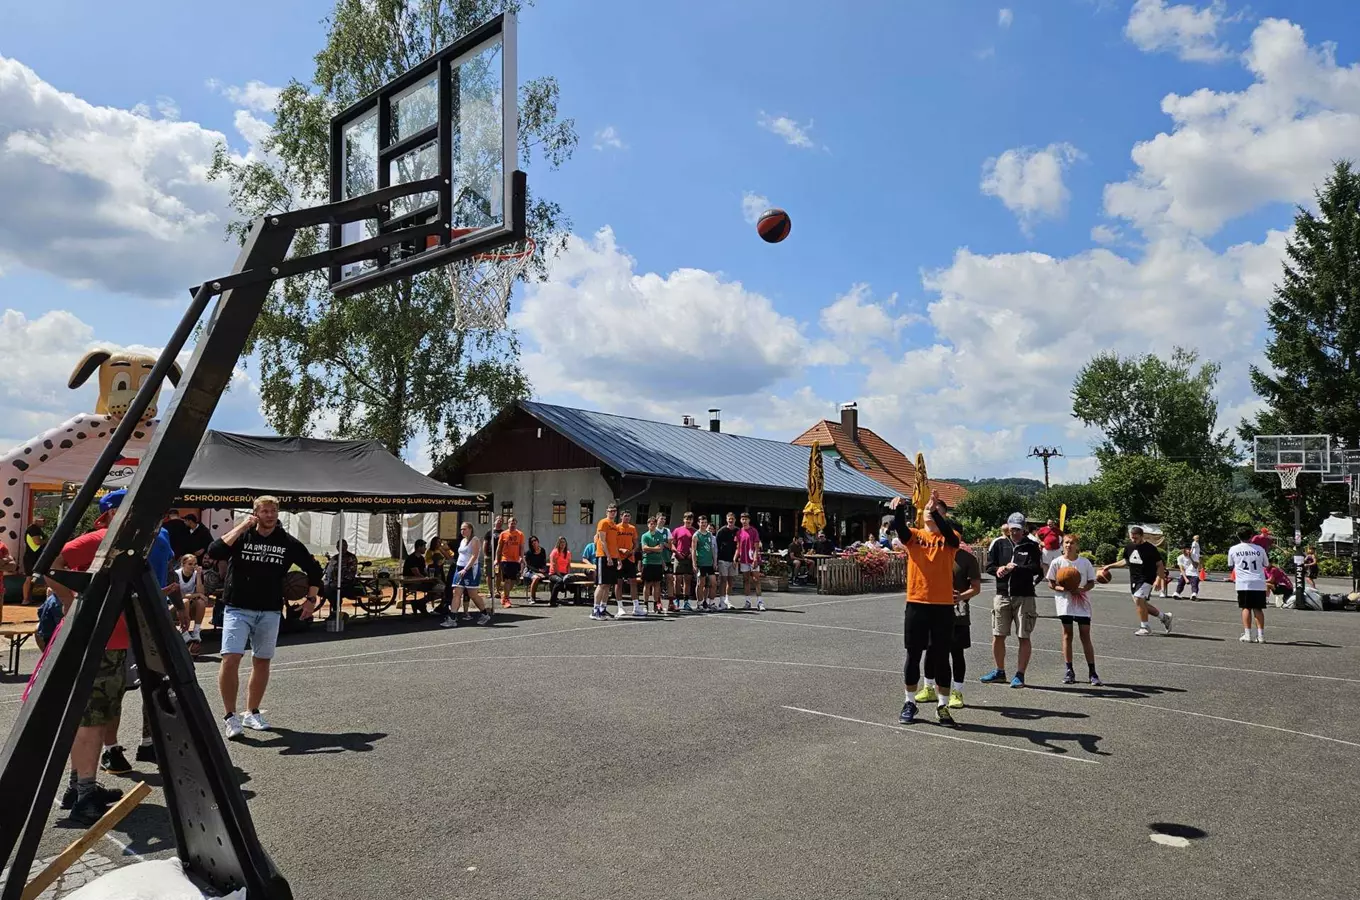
x: 106, y: 697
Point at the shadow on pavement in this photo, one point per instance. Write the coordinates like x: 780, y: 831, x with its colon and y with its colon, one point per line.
x: 1049, y: 740
x: 302, y: 743
x: 1029, y: 715
x: 1191, y: 637
x: 1110, y: 691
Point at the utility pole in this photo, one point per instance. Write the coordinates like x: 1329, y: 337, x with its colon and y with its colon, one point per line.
x: 1045, y: 453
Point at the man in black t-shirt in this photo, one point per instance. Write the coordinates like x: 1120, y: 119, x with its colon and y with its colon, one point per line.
x: 1145, y: 564
x: 727, y: 559
x: 258, y: 553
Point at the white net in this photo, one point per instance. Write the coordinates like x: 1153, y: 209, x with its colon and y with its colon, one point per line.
x: 1289, y: 476
x: 482, y: 286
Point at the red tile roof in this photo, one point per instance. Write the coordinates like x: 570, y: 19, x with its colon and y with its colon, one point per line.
x: 876, y: 458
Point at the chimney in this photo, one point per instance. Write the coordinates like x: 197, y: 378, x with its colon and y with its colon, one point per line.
x: 686, y: 421
x: 714, y: 423
x: 850, y: 421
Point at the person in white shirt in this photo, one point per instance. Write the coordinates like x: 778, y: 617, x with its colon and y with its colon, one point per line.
x: 1188, y: 564
x: 1248, y: 562
x: 1074, y: 606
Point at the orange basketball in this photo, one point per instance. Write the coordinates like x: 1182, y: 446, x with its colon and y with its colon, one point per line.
x: 1069, y: 578
x: 774, y: 225
x: 1102, y: 577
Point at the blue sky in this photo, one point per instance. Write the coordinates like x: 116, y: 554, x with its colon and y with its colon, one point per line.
x: 945, y: 165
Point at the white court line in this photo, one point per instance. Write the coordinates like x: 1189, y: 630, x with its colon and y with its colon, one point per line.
x: 948, y: 737
x: 1199, y: 715
x: 1151, y: 662
x: 127, y: 851
x: 777, y: 662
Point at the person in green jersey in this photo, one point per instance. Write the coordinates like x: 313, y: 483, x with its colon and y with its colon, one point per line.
x: 653, y: 543
x: 704, y: 550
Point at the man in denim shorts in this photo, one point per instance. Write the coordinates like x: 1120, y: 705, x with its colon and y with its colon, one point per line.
x: 258, y: 553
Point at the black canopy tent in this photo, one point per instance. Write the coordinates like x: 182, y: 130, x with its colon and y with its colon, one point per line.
x: 309, y: 474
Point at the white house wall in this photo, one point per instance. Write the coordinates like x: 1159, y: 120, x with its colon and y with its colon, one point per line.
x: 532, y: 494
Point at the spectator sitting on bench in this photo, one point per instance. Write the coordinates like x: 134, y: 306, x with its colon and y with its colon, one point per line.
x: 559, y: 569
x: 535, y: 567
x: 417, y: 565
x: 342, y: 571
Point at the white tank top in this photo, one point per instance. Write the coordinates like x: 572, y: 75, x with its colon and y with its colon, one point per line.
x: 465, y: 551
x: 190, y: 586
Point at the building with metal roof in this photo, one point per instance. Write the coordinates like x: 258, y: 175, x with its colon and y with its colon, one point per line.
x: 556, y: 469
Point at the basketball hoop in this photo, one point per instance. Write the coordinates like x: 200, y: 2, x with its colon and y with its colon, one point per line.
x: 482, y: 284
x: 1289, y: 475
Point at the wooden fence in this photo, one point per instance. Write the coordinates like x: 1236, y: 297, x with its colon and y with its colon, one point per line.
x: 844, y: 576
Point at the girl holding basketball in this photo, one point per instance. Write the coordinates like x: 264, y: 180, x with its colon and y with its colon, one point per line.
x: 1072, y: 576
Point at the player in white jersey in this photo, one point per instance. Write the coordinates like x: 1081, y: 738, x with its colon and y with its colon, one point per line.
x: 1248, y: 562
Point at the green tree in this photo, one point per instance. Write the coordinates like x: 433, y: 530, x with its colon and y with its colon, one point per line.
x: 1130, y: 484
x: 1078, y: 497
x: 1149, y: 406
x: 1312, y: 385
x: 1195, y: 503
x: 991, y: 504
x: 1098, y: 527
x: 385, y: 364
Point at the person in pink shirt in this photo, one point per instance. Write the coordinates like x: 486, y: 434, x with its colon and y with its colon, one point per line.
x: 748, y: 559
x: 682, y: 539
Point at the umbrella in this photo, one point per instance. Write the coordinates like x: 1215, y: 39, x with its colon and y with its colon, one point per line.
x: 814, y: 516
x: 920, y: 494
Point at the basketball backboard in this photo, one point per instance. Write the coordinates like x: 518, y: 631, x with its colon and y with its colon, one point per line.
x: 450, y: 125
x: 1313, y: 452
x: 1344, y: 465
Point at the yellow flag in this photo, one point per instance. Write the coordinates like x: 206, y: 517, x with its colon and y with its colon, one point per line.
x: 814, y: 514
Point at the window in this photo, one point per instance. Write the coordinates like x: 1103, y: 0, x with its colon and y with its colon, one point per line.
x: 587, y: 512
x: 763, y: 519
x: 559, y: 512
x: 507, y: 508
x: 664, y: 509
x: 484, y: 517
x: 643, y: 510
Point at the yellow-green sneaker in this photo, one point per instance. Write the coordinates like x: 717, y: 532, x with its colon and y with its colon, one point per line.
x: 927, y: 694
x: 956, y: 699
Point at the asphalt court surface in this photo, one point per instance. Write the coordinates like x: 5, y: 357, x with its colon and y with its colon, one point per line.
x: 752, y: 754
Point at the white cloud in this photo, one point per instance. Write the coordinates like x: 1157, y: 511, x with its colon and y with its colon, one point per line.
x: 752, y: 205
x: 107, y: 197
x: 1105, y: 234
x: 856, y: 322
x: 38, y: 356
x: 1192, y: 33
x: 715, y: 336
x: 1030, y: 182
x: 253, y: 95
x: 794, y: 135
x: 607, y: 138
x: 1004, y: 18
x: 168, y: 108
x: 1233, y: 152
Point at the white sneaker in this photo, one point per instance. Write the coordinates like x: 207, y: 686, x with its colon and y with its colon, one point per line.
x: 1245, y: 638
x: 1166, y: 621
x: 233, y: 727
x: 1260, y: 638
x: 1163, y: 595
x: 255, y: 722
x: 618, y: 615
x: 760, y: 605
x: 597, y: 613
x: 1142, y: 632
x: 639, y: 612
x: 449, y: 622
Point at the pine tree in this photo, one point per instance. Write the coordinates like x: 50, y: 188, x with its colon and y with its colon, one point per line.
x: 1313, y: 385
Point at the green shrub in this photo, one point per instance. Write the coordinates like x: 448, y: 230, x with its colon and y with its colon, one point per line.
x: 1105, y: 554
x: 1334, y: 568
x: 1087, y: 554
x: 1216, y: 562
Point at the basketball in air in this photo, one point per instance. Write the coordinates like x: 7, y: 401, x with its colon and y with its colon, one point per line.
x: 774, y: 225
x: 1069, y: 578
x: 1102, y: 576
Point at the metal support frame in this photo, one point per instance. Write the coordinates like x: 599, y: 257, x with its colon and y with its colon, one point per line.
x: 213, y: 830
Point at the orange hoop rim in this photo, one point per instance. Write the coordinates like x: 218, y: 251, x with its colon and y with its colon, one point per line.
x: 499, y: 255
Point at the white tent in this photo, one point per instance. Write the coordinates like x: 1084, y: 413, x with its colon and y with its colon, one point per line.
x: 365, y: 534
x: 1336, y: 529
